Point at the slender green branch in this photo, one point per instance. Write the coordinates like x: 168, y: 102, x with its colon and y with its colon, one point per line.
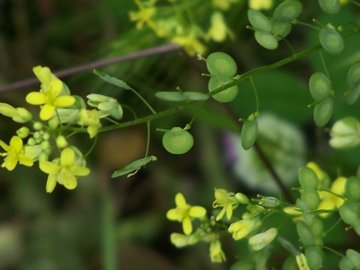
x: 253, y: 85
x: 148, y: 129
x: 324, y: 64
x: 333, y: 251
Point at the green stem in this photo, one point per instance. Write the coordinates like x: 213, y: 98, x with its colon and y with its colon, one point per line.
x: 143, y: 100
x: 109, y: 257
x: 253, y: 85
x: 324, y: 64
x: 307, y: 25
x: 334, y: 251
x: 355, y: 3
x: 148, y: 125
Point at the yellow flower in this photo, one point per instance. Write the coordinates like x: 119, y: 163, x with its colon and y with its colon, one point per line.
x: 91, y: 119
x: 14, y: 154
x: 218, y: 29
x: 343, y: 2
x: 19, y: 115
x: 260, y: 4
x: 331, y: 201
x: 185, y: 213
x: 228, y: 201
x: 242, y: 228
x: 144, y: 15
x: 223, y: 4
x: 63, y: 171
x: 216, y: 253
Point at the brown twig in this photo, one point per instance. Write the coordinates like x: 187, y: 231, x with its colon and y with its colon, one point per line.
x: 89, y: 66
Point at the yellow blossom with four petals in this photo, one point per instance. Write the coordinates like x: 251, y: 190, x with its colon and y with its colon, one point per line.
x: 63, y: 171
x: 14, y: 154
x: 185, y: 213
x: 51, y: 95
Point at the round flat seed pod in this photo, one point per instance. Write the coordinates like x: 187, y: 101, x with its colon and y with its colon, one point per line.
x: 288, y: 10
x: 323, y: 112
x: 353, y: 95
x: 320, y: 86
x: 280, y: 29
x: 177, y: 141
x: 259, y: 21
x: 249, y: 133
x: 331, y: 40
x: 354, y: 257
x: 308, y: 179
x: 266, y: 40
x: 304, y: 234
x: 224, y: 96
x: 353, y: 75
x: 314, y: 257
x: 221, y: 64
x: 311, y: 199
x: 350, y: 212
x: 352, y: 190
x: 330, y: 6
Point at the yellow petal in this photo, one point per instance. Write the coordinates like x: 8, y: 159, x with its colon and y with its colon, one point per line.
x: 16, y: 144
x: 43, y: 74
x: 36, y: 98
x: 47, y: 111
x: 4, y: 146
x: 67, y: 157
x: 180, y: 200
x: 187, y: 226
x: 174, y: 214
x: 64, y: 101
x: 197, y: 212
x: 25, y: 160
x: 68, y: 180
x: 50, y: 183
x: 49, y: 167
x: 55, y: 88
x: 10, y: 162
x: 79, y: 171
x: 338, y: 186
x: 229, y: 211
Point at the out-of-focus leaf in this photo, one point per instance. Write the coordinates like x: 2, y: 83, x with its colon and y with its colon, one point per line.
x: 133, y: 167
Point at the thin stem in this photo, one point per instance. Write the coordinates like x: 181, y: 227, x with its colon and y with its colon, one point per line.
x: 307, y: 25
x: 334, y: 251
x: 289, y: 45
x: 112, y: 120
x: 92, y: 147
x: 143, y: 100
x: 253, y: 85
x: 148, y: 128
x: 333, y: 226
x: 324, y: 63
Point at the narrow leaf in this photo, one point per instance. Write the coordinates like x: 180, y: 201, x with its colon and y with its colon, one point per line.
x: 133, y: 167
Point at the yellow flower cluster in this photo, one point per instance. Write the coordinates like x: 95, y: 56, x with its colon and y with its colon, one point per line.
x: 45, y: 141
x: 166, y: 23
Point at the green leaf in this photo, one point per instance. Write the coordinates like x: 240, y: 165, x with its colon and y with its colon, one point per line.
x: 181, y: 96
x: 133, y: 167
x: 113, y: 80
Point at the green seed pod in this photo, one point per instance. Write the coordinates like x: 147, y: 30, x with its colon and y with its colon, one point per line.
x: 280, y: 29
x: 314, y: 257
x: 345, y: 264
x: 353, y: 75
x: 345, y: 133
x: 221, y: 64
x: 352, y: 189
x: 350, y: 213
x: 249, y: 133
x: 269, y: 202
x: 259, y: 21
x: 304, y: 233
x: 323, y: 112
x: 308, y: 179
x: 224, y: 96
x: 266, y: 40
x: 353, y: 95
x: 330, y: 6
x: 354, y: 257
x: 177, y: 141
x: 317, y: 227
x: 288, y: 10
x: 311, y: 199
x: 331, y: 40
x: 320, y: 86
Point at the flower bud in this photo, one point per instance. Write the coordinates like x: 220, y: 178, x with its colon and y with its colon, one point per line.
x: 23, y: 132
x: 61, y: 142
